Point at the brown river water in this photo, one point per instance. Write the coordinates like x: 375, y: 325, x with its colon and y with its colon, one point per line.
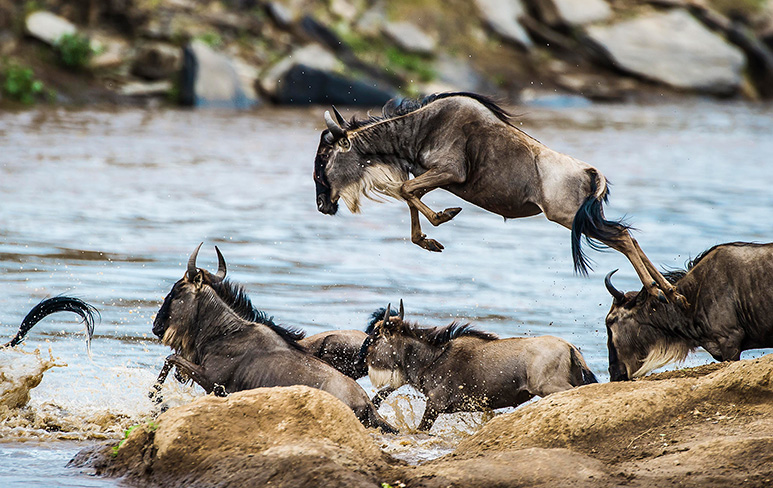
x: 107, y: 206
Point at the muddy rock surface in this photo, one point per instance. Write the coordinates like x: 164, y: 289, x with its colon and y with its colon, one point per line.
x: 708, y: 426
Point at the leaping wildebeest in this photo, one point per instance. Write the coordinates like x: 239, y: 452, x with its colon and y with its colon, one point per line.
x: 466, y: 144
x: 225, y: 344
x: 729, y: 288
x: 53, y: 305
x: 459, y: 368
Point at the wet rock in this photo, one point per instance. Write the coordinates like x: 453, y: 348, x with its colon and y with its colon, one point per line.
x: 502, y: 16
x: 303, y: 85
x: 209, y: 79
x: 558, y: 13
x: 48, y: 27
x: 295, y: 436
x: 672, y: 48
x: 409, y: 37
x: 157, y: 61
x: 111, y: 52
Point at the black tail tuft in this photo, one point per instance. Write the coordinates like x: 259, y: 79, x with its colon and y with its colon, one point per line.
x: 589, y: 221
x: 53, y: 305
x: 587, y: 375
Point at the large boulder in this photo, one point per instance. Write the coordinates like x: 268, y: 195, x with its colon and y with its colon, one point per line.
x: 157, y: 61
x: 409, y: 37
x: 210, y: 79
x: 672, y: 48
x: 48, y: 27
x: 502, y: 16
x: 572, y: 12
x: 294, y: 436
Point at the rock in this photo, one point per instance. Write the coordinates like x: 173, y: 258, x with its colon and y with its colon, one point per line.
x: 526, y: 467
x: 557, y: 13
x: 343, y: 9
x: 209, y: 79
x: 409, y: 37
x: 111, y: 52
x: 457, y: 75
x: 294, y: 436
x: 280, y: 14
x: 157, y: 61
x: 303, y: 85
x: 371, y: 22
x: 142, y: 89
x: 502, y: 16
x: 672, y: 48
x: 48, y: 27
x: 312, y: 55
x: 597, y: 87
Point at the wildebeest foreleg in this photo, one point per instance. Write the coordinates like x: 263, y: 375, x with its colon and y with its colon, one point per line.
x: 156, y: 390
x: 418, y: 237
x: 194, y: 372
x: 412, y: 191
x: 429, y: 417
x: 381, y: 395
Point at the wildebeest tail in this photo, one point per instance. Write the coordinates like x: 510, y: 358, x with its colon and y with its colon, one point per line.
x: 53, y: 305
x: 578, y: 362
x: 589, y: 221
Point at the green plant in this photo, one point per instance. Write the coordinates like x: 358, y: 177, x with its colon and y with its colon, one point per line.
x: 21, y: 85
x: 399, y: 60
x: 151, y: 426
x: 211, y: 39
x: 74, y: 50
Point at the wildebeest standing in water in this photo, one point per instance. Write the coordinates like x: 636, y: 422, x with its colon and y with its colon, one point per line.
x: 226, y: 345
x: 53, y: 305
x: 466, y: 144
x: 730, y: 293
x: 459, y: 368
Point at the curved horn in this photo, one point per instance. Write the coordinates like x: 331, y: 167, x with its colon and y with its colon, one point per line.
x: 401, y: 314
x: 221, y: 268
x: 339, y: 117
x: 192, y: 262
x: 334, y: 128
x: 617, y: 294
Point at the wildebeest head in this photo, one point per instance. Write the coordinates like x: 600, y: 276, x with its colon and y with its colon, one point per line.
x: 637, y: 333
x: 345, y: 169
x: 382, y: 350
x: 176, y: 321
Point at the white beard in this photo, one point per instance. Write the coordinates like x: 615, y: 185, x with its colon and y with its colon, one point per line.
x: 661, y: 355
x: 376, y: 179
x: 386, y: 377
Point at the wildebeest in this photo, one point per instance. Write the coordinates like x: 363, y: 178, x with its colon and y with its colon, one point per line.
x: 225, y: 344
x: 730, y: 293
x: 466, y: 144
x: 52, y: 305
x: 340, y: 349
x: 459, y: 368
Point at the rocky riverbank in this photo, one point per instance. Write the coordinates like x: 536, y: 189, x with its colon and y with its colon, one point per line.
x: 241, y: 53
x: 705, y: 426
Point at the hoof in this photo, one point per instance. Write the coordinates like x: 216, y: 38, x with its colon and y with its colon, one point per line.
x: 432, y: 245
x: 662, y: 296
x: 446, y: 215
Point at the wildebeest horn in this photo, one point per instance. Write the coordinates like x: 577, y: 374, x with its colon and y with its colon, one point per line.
x: 401, y: 314
x: 339, y: 117
x: 221, y: 268
x: 334, y: 128
x: 617, y: 294
x: 192, y: 262
x: 387, y: 313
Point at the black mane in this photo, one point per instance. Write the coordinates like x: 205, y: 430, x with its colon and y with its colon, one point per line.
x: 402, y: 106
x: 438, y: 336
x: 237, y: 300
x: 376, y: 316
x: 674, y: 275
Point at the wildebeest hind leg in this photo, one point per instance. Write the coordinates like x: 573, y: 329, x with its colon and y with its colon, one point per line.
x: 418, y: 237
x: 625, y: 244
x: 662, y: 281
